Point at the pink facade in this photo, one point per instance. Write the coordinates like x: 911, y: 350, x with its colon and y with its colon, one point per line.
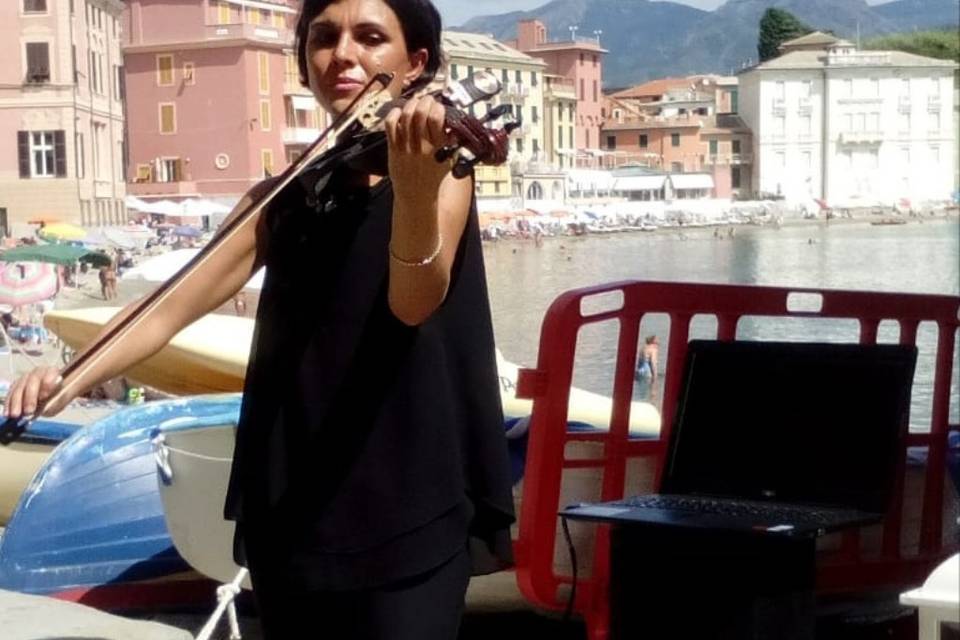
x: 214, y: 104
x: 580, y: 61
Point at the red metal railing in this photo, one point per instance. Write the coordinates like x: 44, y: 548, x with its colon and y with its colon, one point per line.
x: 856, y: 561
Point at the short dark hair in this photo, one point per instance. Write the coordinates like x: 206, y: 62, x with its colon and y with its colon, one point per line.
x: 419, y: 20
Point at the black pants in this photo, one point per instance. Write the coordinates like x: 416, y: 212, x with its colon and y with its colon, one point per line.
x: 425, y: 607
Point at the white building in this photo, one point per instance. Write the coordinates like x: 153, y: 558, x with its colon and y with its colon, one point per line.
x: 851, y: 126
x: 523, y: 85
x: 61, y: 113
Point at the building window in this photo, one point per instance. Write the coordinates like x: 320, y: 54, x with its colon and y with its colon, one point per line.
x: 42, y: 154
x: 263, y: 69
x: 807, y: 159
x: 595, y: 97
x: 504, y: 75
x: 469, y: 70
x: 34, y: 6
x: 169, y: 170
x: 164, y: 70
x: 454, y: 73
x: 735, y: 177
x: 533, y: 78
x: 534, y: 191
x: 713, y: 147
x: 781, y: 90
x: 581, y: 58
x: 573, y: 143
x: 168, y: 118
x: 278, y: 21
x: 805, y: 87
x: 189, y: 73
x: 676, y: 167
x: 933, y: 123
x: 874, y: 87
x: 118, y: 85
x: 534, y: 114
x: 806, y: 125
x: 594, y: 59
x: 38, y: 62
x: 735, y: 147
x: 536, y: 146
x: 518, y: 75
x: 559, y: 137
x: 935, y: 155
x: 611, y: 143
x: 675, y: 139
x: 781, y: 159
x: 266, y: 162
x: 847, y: 91
x: 144, y: 173
x: 265, y: 119
x: 519, y: 145
x: 583, y: 92
x: 81, y: 158
x: 223, y: 13
x: 779, y: 125
x: 904, y: 122
x: 644, y: 141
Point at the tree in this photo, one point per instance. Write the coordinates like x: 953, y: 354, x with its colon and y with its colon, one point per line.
x: 943, y: 44
x: 776, y: 27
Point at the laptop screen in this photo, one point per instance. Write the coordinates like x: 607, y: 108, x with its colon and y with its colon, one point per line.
x: 791, y: 422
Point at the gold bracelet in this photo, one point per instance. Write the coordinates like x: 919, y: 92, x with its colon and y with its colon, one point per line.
x: 422, y: 262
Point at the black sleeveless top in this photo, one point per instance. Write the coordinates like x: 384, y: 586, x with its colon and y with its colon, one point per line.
x: 367, y: 450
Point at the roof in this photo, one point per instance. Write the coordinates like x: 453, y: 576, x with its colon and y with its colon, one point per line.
x: 724, y: 123
x: 474, y: 45
x: 691, y: 181
x: 818, y: 60
x: 810, y: 39
x: 656, y: 87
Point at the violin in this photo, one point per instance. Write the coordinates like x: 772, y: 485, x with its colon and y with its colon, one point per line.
x: 356, y: 139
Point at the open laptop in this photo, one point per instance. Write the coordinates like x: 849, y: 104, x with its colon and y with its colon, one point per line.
x: 798, y: 439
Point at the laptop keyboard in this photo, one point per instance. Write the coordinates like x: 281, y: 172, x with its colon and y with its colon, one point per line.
x: 736, y: 508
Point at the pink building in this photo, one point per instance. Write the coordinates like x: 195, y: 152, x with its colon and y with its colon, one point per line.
x: 580, y: 61
x: 214, y: 99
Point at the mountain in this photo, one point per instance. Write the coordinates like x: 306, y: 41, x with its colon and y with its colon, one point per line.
x: 921, y: 14
x: 651, y: 39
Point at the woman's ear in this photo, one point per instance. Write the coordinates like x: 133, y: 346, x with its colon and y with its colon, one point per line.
x: 418, y: 63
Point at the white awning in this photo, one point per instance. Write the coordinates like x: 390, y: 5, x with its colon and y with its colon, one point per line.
x: 566, y: 152
x: 303, y: 103
x: 253, y: 4
x: 588, y: 179
x: 691, y: 181
x: 639, y: 183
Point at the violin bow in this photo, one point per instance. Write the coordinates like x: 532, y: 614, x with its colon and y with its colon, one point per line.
x: 364, y: 109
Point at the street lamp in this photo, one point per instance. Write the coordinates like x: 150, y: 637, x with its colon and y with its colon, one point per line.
x: 596, y: 34
x: 573, y: 32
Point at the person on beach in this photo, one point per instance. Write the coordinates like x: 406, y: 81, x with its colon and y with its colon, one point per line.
x: 647, y: 362
x: 370, y: 476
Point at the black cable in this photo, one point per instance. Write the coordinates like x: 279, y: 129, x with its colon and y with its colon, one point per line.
x: 568, y: 614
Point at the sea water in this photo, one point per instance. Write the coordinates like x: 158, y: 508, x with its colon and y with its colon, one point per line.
x: 918, y: 257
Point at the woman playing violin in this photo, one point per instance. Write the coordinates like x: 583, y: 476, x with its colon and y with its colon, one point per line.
x: 370, y: 476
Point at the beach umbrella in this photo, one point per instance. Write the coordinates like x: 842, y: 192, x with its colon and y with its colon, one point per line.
x: 62, y: 231
x: 187, y: 231
x: 27, y: 282
x: 163, y: 267
x: 64, y: 254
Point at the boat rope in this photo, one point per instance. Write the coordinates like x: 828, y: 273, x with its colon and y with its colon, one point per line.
x: 226, y: 595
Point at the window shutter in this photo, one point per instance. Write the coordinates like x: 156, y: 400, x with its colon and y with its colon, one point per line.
x: 38, y: 62
x: 60, y: 153
x: 23, y: 151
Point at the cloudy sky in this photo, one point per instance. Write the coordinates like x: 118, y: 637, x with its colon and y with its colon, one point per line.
x: 456, y: 12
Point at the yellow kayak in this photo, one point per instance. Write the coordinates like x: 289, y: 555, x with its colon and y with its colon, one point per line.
x: 211, y: 356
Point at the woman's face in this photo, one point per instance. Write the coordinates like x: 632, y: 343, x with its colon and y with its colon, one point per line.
x: 351, y: 41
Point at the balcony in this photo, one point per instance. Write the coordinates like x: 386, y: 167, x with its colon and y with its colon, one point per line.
x: 515, y: 90
x: 805, y: 108
x: 560, y: 88
x: 721, y: 159
x: 300, y: 135
x: 861, y: 137
x: 260, y: 33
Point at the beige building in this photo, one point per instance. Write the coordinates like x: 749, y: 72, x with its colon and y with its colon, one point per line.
x: 61, y: 113
x: 560, y: 115
x: 523, y: 88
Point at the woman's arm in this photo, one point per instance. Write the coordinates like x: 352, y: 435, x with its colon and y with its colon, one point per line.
x: 206, y: 289
x: 430, y: 211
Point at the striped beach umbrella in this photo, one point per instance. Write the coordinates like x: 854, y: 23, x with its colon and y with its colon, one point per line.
x: 27, y: 282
